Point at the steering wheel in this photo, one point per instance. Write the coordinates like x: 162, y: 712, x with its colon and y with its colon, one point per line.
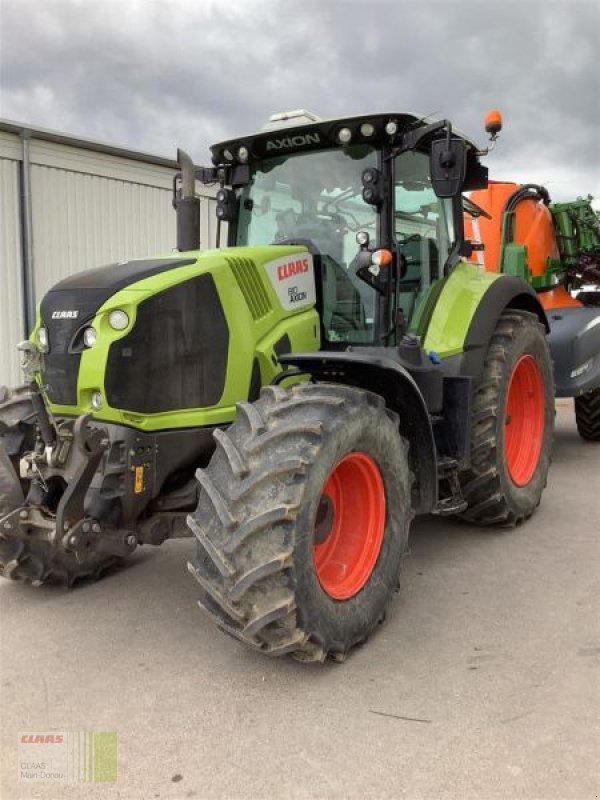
x: 414, y: 237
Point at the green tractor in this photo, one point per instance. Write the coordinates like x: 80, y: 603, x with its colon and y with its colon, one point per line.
x: 291, y: 399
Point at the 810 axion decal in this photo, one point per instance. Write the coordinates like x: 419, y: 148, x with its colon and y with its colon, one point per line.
x: 293, y: 278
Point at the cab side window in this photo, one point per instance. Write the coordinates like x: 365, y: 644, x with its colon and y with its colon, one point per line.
x: 423, y: 229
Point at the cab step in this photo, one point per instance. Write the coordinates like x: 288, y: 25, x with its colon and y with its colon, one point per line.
x: 453, y: 502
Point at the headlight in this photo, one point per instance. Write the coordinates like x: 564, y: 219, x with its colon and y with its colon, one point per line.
x: 366, y: 129
x: 243, y: 154
x: 42, y: 337
x: 96, y: 400
x: 118, y: 320
x: 344, y: 135
x: 370, y: 175
x: 90, y: 337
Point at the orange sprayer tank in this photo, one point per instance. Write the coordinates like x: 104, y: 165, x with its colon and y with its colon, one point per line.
x: 533, y: 228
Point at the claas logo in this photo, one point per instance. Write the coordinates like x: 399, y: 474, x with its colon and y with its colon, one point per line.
x: 41, y: 738
x: 292, y: 268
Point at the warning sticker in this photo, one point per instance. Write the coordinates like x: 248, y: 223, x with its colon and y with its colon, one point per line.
x: 138, y: 484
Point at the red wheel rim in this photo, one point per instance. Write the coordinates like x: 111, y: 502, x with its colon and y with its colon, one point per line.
x: 524, y: 420
x: 349, y: 526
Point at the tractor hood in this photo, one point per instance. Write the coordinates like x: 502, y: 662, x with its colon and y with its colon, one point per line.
x: 157, y: 343
x: 67, y: 309
x: 110, y: 279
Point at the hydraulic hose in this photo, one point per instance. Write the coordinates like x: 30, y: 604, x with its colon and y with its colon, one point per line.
x: 531, y: 191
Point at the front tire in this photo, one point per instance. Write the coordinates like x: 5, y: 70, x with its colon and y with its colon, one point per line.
x: 302, y: 520
x: 512, y: 424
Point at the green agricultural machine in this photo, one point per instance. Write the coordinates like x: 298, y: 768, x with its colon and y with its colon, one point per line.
x: 293, y: 398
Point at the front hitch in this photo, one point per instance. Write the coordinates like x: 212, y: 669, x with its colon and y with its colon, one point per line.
x: 91, y: 443
x: 39, y: 544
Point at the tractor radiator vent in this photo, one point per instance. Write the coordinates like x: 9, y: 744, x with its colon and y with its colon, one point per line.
x: 246, y: 274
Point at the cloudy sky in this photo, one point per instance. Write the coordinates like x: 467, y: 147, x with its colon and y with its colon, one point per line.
x: 155, y: 74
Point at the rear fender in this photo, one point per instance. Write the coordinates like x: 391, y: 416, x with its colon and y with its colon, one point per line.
x: 575, y: 346
x: 503, y: 294
x: 401, y: 394
x: 466, y: 312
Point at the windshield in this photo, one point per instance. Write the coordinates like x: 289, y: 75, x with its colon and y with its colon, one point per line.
x: 315, y: 195
x: 318, y: 196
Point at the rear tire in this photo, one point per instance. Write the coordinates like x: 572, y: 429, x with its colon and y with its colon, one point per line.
x: 587, y: 415
x: 302, y: 521
x: 512, y: 425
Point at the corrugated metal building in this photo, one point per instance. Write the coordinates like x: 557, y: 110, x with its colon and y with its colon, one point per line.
x: 68, y: 204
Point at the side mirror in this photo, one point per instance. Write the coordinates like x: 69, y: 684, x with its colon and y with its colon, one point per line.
x: 448, y: 164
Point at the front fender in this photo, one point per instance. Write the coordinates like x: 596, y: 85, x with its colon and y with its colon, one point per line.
x: 384, y: 377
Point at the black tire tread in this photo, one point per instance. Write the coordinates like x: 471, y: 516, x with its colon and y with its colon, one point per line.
x: 587, y: 415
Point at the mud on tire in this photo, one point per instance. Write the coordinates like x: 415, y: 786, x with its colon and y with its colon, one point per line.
x: 493, y: 496
x: 256, y: 517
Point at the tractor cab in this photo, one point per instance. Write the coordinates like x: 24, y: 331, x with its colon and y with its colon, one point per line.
x: 376, y: 199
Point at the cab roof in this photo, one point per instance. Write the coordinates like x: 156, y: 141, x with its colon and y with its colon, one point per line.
x: 299, y: 130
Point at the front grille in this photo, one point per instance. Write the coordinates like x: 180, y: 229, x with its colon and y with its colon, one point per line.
x: 60, y: 365
x: 61, y: 368
x: 175, y: 357
x: 246, y: 274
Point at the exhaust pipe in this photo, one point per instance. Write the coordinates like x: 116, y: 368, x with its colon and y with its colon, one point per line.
x: 187, y: 205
